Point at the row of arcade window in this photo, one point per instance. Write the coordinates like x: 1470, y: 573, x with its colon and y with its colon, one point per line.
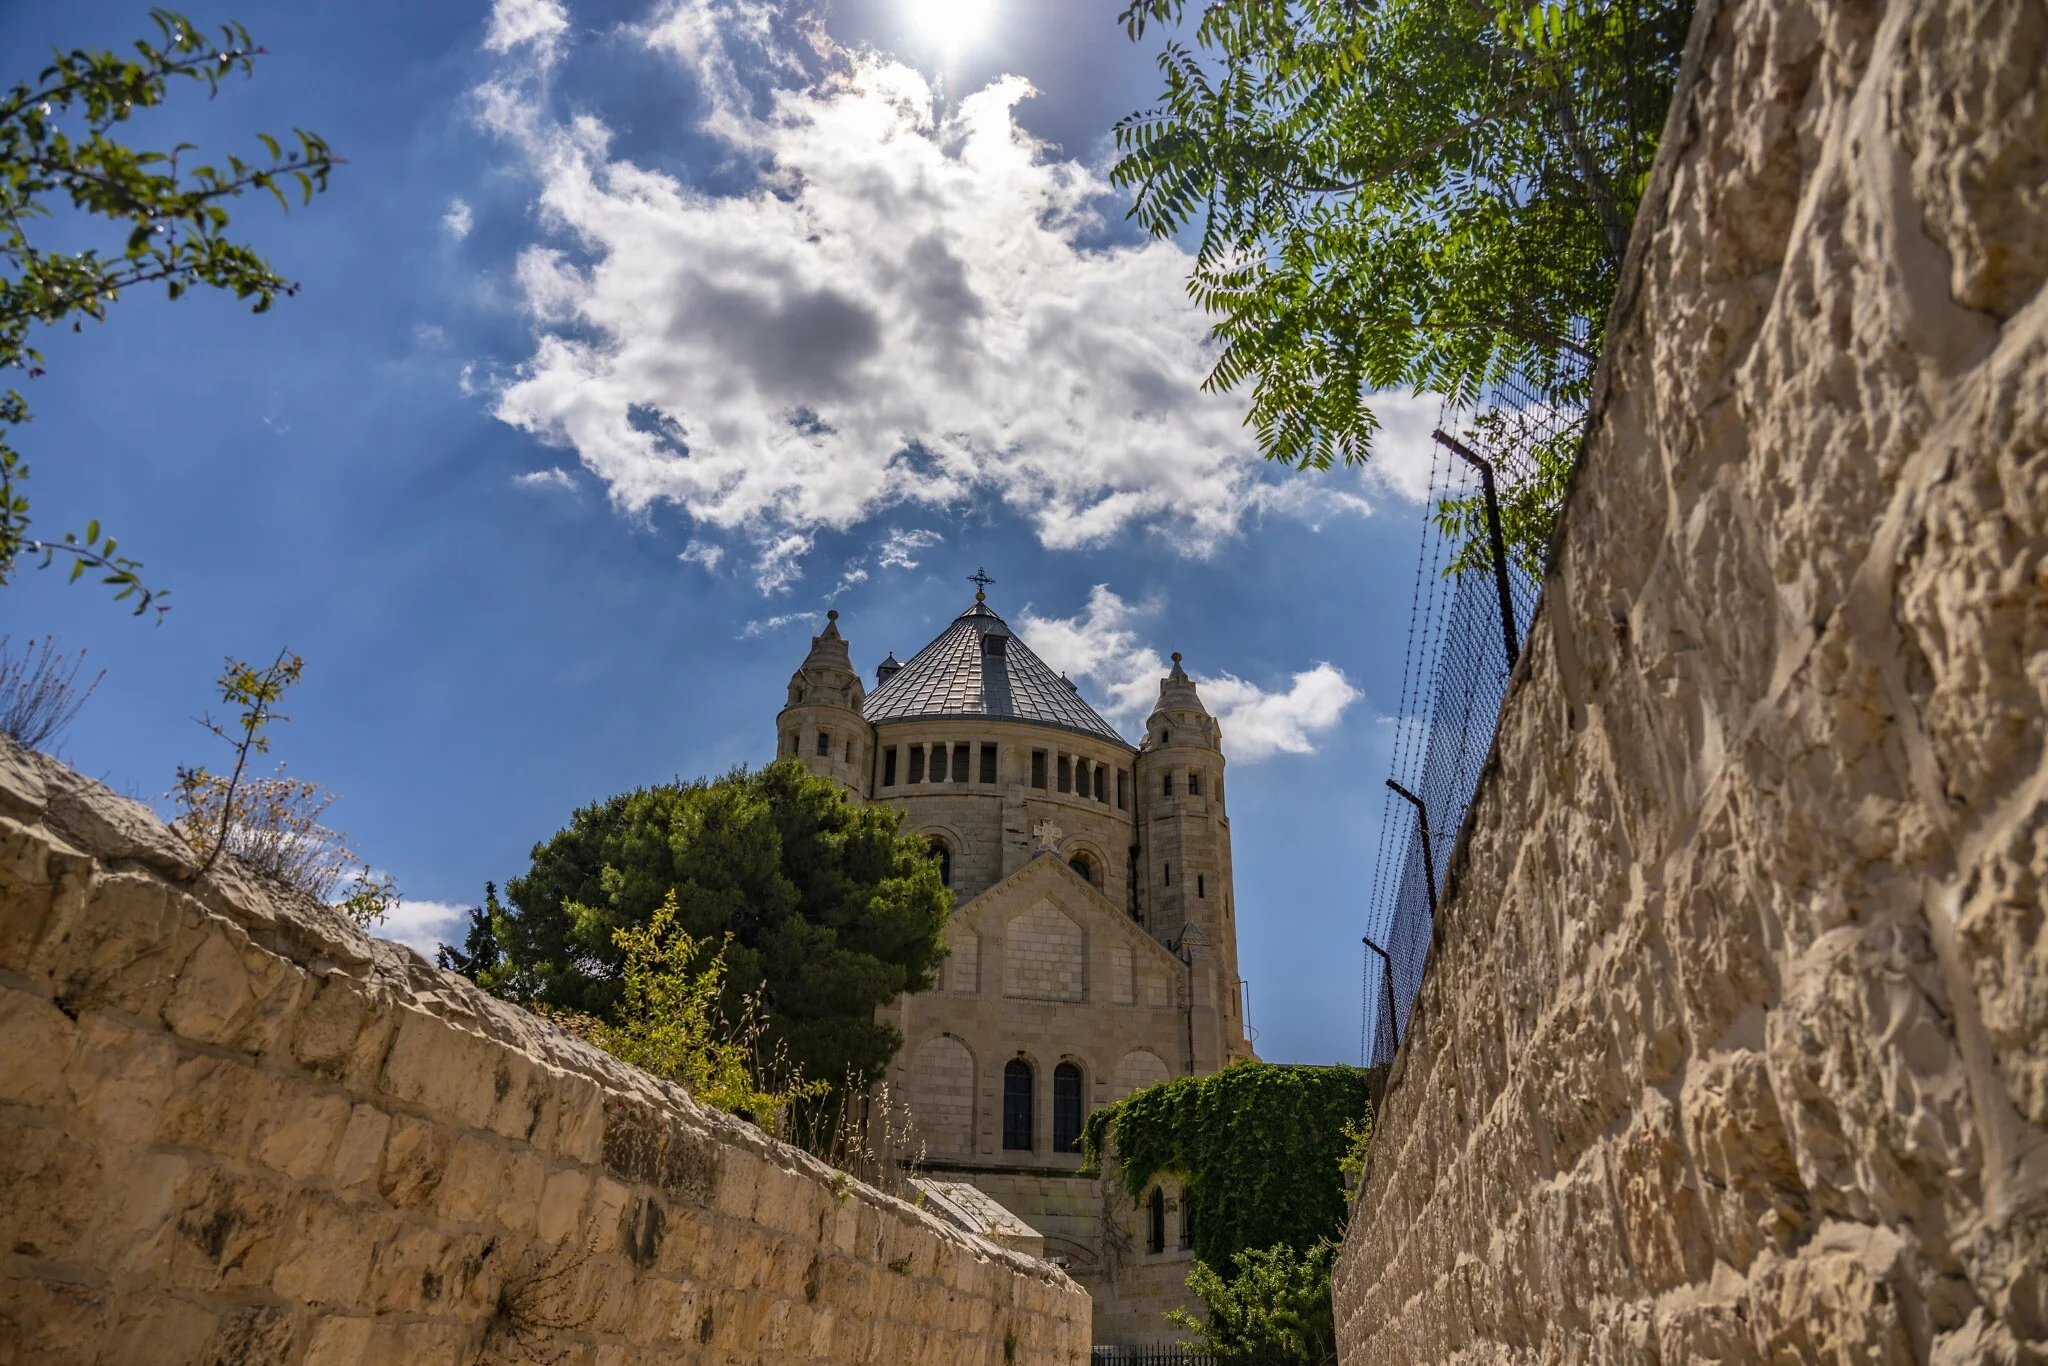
x: 931, y: 763
x: 940, y: 763
x: 1020, y: 1107
x: 1086, y: 780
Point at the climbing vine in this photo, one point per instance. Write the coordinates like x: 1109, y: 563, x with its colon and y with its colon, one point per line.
x: 1257, y: 1147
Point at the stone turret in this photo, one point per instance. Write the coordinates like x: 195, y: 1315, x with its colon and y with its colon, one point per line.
x: 822, y: 723
x: 1185, y: 848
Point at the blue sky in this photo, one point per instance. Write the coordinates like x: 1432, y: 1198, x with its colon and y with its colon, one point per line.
x: 636, y: 334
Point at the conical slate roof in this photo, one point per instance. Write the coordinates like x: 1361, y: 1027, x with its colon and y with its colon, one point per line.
x: 978, y: 668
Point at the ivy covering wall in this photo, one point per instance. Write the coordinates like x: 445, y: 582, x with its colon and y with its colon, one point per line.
x: 1257, y: 1147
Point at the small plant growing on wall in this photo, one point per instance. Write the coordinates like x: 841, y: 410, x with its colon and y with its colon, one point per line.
x: 39, y: 692
x: 272, y: 825
x: 538, y: 1302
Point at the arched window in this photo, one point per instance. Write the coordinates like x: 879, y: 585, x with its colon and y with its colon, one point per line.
x: 824, y: 744
x: 1155, y: 1240
x: 1167, y: 870
x: 1066, y: 1108
x: 1201, y: 885
x: 1079, y: 863
x: 1194, y: 782
x: 1166, y: 787
x: 943, y: 852
x: 1017, y: 1105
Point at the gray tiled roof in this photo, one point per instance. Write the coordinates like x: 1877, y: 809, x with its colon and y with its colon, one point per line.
x: 978, y: 668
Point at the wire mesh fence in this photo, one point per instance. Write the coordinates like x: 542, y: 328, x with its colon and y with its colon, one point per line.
x: 1480, y: 565
x: 1456, y: 675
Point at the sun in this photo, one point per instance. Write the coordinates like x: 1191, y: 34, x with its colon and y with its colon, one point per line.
x: 950, y: 24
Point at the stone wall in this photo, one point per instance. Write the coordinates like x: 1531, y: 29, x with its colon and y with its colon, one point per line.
x: 233, y: 1129
x: 1734, y: 1041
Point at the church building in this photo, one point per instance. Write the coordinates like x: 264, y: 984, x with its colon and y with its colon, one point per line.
x: 1094, y: 938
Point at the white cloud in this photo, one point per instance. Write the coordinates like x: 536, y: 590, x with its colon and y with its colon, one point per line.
x: 537, y: 25
x: 458, y: 220
x: 855, y: 574
x: 899, y: 546
x: 762, y: 628
x: 556, y: 478
x: 425, y: 925
x: 1257, y: 722
x: 1102, y: 644
x: 907, y: 308
x: 702, y: 552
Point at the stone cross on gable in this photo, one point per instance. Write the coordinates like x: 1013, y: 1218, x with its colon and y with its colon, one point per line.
x: 1048, y: 836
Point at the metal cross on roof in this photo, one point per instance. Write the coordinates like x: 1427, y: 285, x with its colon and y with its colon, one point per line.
x: 980, y: 579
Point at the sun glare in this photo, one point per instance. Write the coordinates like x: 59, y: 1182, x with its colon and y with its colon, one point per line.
x: 950, y: 24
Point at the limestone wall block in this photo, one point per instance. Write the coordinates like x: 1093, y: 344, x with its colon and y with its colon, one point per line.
x: 342, y: 1028
x: 228, y: 990
x: 119, y: 1078
x: 60, y: 1181
x: 212, y: 1105
x: 329, y: 1246
x: 416, y: 1154
x: 114, y: 940
x: 522, y: 1180
x: 227, y: 1230
x: 32, y: 1070
x: 561, y: 1204
x: 29, y: 888
x: 359, y: 1157
x: 296, y: 1126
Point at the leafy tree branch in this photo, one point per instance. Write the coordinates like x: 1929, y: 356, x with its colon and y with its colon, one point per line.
x: 60, y: 148
x: 1416, y: 194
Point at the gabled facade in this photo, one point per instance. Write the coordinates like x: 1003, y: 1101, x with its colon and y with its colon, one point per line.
x: 1094, y: 937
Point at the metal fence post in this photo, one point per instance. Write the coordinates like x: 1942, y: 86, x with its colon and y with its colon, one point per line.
x: 1428, y: 855
x: 1494, y: 537
x: 1387, y: 968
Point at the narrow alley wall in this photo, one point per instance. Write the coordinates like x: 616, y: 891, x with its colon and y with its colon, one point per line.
x: 234, y: 1129
x: 1734, y: 1041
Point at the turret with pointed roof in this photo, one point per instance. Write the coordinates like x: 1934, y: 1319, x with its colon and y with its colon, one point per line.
x: 821, y: 723
x: 1187, y: 885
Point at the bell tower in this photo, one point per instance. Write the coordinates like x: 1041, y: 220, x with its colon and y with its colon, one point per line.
x: 1184, y: 853
x: 822, y: 722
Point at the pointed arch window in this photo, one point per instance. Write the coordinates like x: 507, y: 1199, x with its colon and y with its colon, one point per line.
x: 1066, y: 1108
x: 1155, y: 1240
x: 1017, y: 1105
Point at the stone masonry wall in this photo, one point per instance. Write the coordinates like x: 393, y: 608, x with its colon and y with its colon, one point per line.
x: 1734, y: 1041
x: 235, y: 1130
